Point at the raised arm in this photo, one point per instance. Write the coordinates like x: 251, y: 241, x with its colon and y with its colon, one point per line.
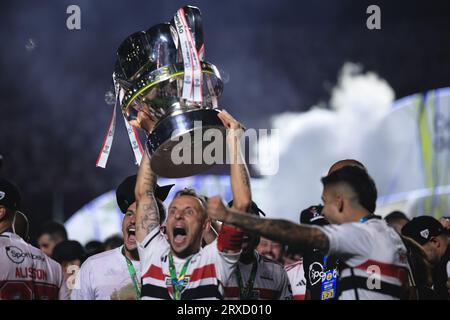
x: 239, y: 175
x: 147, y: 215
x: 298, y: 236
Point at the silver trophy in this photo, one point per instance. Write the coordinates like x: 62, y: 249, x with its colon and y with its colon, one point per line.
x: 165, y: 87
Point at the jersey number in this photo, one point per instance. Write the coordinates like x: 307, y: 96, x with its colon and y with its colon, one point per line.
x: 18, y: 290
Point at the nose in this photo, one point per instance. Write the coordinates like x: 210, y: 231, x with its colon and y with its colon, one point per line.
x: 179, y: 214
x: 267, y: 249
x: 133, y: 219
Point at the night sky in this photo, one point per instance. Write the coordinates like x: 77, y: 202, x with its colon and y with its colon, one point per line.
x: 275, y: 56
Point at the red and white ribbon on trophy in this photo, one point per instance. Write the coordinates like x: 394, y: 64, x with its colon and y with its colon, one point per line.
x: 134, y: 141
x: 136, y: 146
x: 192, y: 90
x: 193, y: 77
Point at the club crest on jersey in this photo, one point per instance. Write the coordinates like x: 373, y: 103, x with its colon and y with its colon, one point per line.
x: 425, y: 233
x: 185, y: 282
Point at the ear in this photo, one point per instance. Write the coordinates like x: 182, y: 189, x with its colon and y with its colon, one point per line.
x: 436, y: 241
x: 3, y: 212
x: 207, y: 225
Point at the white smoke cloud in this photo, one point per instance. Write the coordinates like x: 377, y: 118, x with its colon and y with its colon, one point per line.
x: 310, y: 142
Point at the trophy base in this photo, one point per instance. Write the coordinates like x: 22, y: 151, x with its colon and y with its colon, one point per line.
x: 176, y: 144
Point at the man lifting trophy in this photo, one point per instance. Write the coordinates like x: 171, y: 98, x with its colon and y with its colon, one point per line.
x: 164, y: 86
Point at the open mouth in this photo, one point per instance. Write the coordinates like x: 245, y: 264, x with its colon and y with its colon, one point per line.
x: 270, y: 256
x: 131, y: 234
x: 179, y: 235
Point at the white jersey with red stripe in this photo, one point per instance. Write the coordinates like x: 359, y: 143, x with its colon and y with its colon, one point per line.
x: 26, y: 273
x: 105, y: 276
x: 374, y: 259
x: 207, y: 270
x: 271, y: 281
x: 296, y: 276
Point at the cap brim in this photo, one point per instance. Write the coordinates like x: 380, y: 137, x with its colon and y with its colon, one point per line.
x: 162, y: 192
x: 320, y: 222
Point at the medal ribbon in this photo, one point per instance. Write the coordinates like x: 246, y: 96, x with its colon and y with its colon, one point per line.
x: 244, y: 293
x: 178, y: 283
x: 133, y: 275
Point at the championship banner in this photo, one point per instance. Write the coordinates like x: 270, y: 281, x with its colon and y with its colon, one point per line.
x: 420, y: 181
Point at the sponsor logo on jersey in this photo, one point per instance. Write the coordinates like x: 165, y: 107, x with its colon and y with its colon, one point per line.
x: 2, y: 195
x: 16, y: 255
x: 316, y: 273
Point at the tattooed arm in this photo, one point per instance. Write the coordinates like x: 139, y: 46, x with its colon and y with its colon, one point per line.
x: 239, y: 175
x: 297, y: 236
x: 147, y: 215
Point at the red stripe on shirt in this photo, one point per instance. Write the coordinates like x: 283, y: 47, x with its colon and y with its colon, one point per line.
x: 293, y: 265
x: 155, y: 273
x: 299, y: 297
x: 387, y: 269
x: 207, y: 271
x: 27, y: 290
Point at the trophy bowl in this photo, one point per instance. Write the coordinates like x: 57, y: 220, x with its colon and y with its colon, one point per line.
x: 170, y: 97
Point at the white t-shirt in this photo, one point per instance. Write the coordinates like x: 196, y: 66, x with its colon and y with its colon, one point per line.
x: 296, y: 276
x: 105, y: 276
x: 375, y: 254
x: 207, y: 270
x: 271, y: 281
x: 26, y: 273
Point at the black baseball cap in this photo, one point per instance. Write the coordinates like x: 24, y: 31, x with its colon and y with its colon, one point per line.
x: 253, y: 208
x: 125, y: 193
x: 9, y: 195
x: 313, y: 216
x: 423, y: 228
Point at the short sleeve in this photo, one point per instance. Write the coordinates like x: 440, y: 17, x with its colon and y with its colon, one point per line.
x: 350, y: 242
x: 153, y: 245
